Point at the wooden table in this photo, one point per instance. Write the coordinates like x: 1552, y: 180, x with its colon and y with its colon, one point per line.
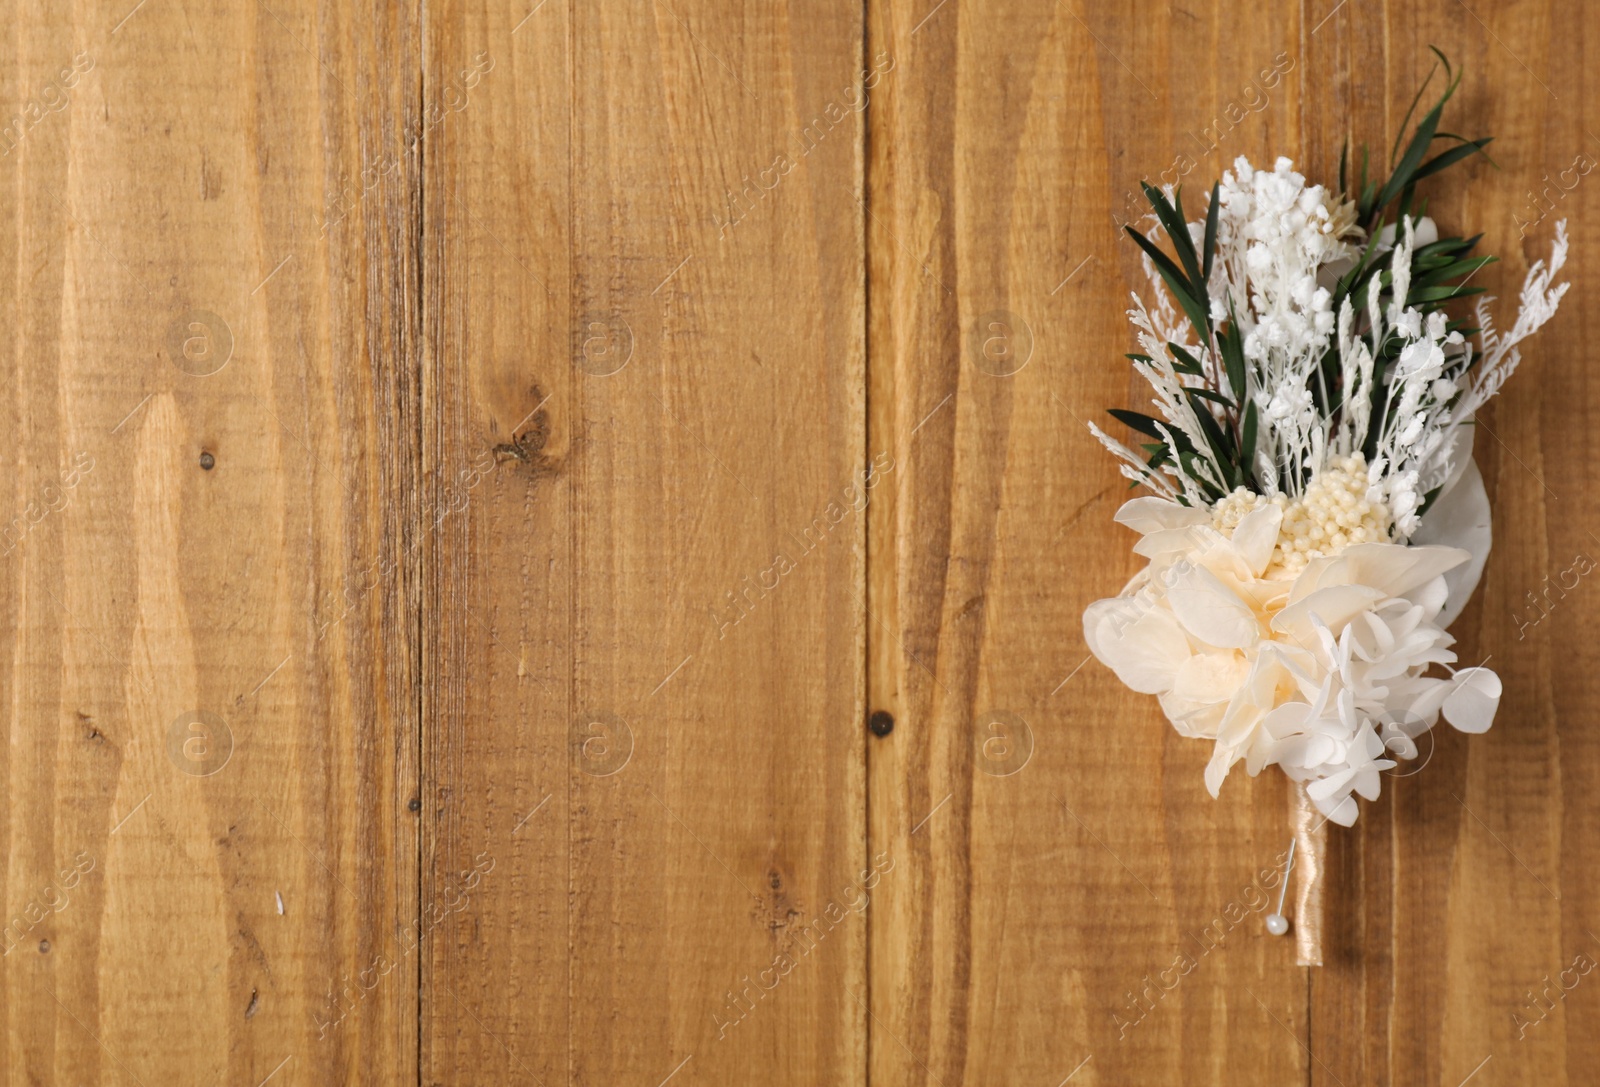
x: 524, y: 519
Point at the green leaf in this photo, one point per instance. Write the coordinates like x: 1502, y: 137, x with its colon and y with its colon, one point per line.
x: 1434, y: 276
x: 1146, y: 425
x: 1211, y: 231
x: 1247, y: 439
x: 1446, y: 159
x: 1175, y: 282
x: 1378, y: 398
x: 1411, y: 111
x: 1184, y: 362
x: 1178, y: 231
x: 1441, y: 294
x: 1366, y: 186
x: 1357, y: 277
x: 1403, y: 177
x: 1448, y: 245
x: 1223, y: 455
x: 1233, y: 355
x: 1209, y: 394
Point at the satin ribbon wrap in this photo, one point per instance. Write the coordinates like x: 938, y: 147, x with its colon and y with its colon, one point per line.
x: 1310, y: 852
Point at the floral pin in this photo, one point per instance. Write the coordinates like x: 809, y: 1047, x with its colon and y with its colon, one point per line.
x: 1316, y: 521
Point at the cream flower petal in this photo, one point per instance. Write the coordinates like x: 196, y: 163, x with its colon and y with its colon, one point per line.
x: 1371, y: 638
x: 1422, y: 712
x: 1302, y: 672
x: 1396, y: 741
x: 1256, y: 535
x: 1211, y: 611
x: 1184, y: 541
x: 1210, y: 677
x: 1330, y: 786
x: 1320, y: 749
x: 1196, y: 720
x: 1437, y: 598
x: 1344, y: 812
x: 1424, y: 232
x: 1474, y: 696
x: 1279, y: 729
x: 1367, y: 764
x: 1148, y: 514
x: 1145, y: 652
x: 1107, y: 615
x: 1390, y: 567
x: 1398, y: 570
x: 1222, y: 760
x: 1266, y: 597
x: 1287, y: 720
x: 1460, y: 515
x: 1334, y: 607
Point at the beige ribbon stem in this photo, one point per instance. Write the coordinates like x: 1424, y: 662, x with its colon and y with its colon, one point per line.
x: 1310, y: 852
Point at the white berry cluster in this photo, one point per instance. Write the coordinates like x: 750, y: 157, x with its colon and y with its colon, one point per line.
x: 1333, y: 513
x: 1286, y: 230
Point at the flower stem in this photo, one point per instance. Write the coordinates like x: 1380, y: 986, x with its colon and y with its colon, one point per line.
x: 1310, y: 852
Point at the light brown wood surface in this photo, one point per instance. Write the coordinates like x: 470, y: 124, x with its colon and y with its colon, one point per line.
x: 1058, y: 859
x: 669, y: 404
x: 474, y: 470
x: 164, y: 222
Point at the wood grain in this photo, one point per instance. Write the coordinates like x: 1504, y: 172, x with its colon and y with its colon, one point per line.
x: 475, y: 471
x: 659, y: 337
x: 210, y: 413
x: 1044, y: 894
x: 1040, y: 899
x: 497, y: 546
x: 1469, y: 891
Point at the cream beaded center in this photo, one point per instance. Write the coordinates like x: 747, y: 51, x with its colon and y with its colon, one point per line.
x: 1332, y: 514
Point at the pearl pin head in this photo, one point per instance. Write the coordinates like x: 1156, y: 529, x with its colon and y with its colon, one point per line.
x: 1277, y: 924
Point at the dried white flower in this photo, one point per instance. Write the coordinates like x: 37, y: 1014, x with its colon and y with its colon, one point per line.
x: 1319, y: 668
x: 1280, y: 246
x: 1319, y: 520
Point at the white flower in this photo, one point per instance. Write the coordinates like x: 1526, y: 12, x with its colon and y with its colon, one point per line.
x: 1319, y: 521
x: 1286, y: 403
x: 1321, y: 379
x: 1320, y: 672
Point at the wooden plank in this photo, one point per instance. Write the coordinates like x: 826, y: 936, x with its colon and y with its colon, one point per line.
x: 1047, y: 880
x: 498, y: 445
x: 609, y: 242
x: 210, y: 411
x: 1469, y: 892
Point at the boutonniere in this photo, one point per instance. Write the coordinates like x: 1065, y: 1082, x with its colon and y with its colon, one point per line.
x: 1315, y: 521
